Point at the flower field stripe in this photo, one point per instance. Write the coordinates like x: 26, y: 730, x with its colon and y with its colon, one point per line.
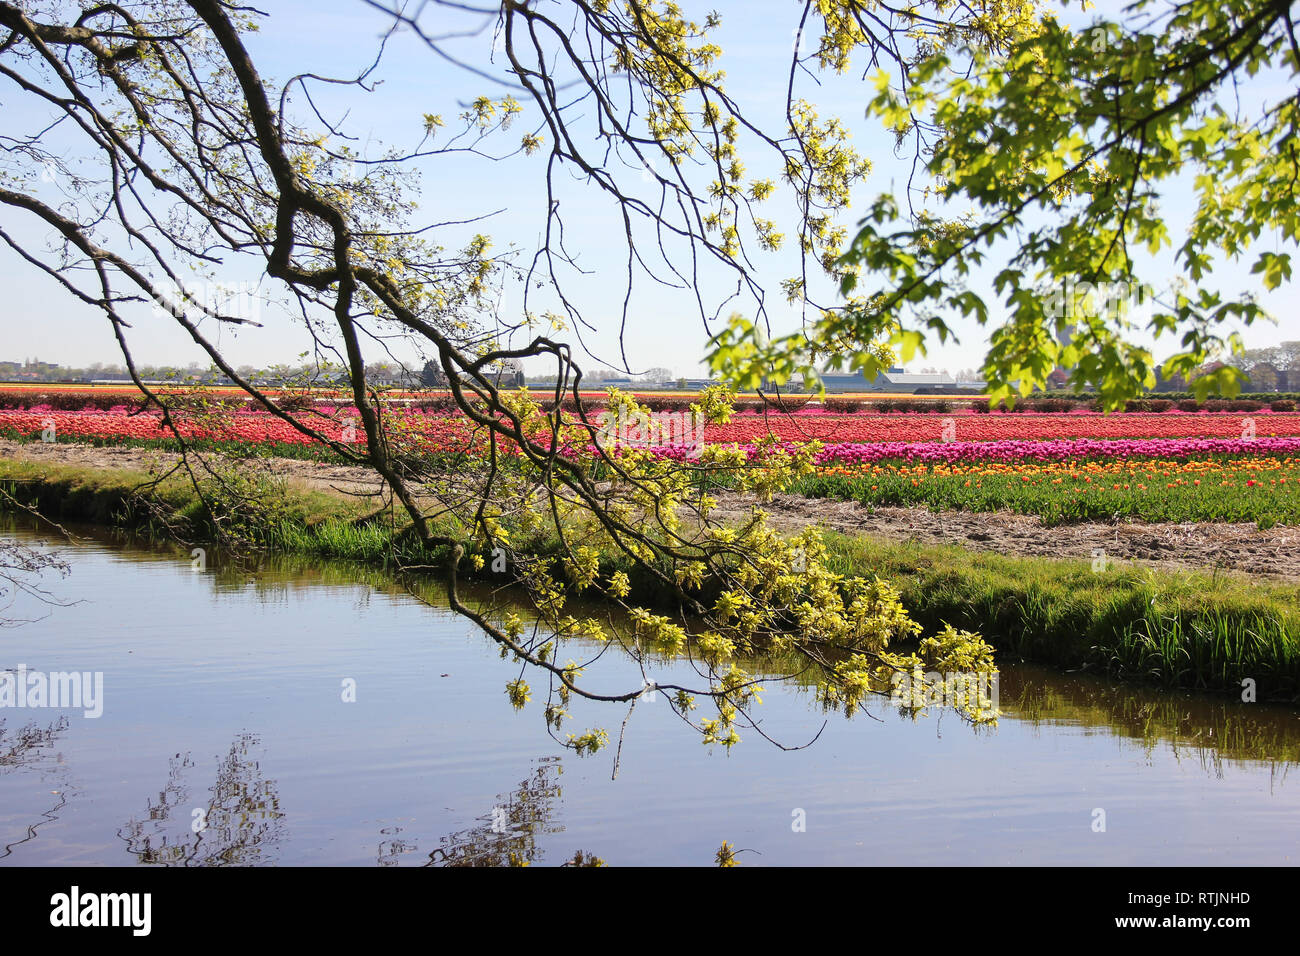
x: 1026, y: 426
x: 1065, y: 449
x: 454, y: 433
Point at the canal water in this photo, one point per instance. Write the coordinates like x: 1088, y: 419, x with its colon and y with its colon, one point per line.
x: 299, y: 712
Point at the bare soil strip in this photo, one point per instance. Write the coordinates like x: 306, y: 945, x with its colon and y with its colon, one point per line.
x: 1239, y: 547
x: 1204, y: 545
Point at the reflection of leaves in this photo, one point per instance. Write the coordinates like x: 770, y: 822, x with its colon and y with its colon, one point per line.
x: 22, y: 749
x: 242, y: 818
x: 508, y: 835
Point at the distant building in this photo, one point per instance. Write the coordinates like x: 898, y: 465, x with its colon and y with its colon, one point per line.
x: 896, y: 380
x: 31, y: 370
x: 627, y: 384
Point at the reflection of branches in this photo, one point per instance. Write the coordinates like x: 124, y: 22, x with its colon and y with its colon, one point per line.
x: 508, y: 836
x: 21, y: 750
x: 240, y: 826
x: 393, y: 846
x: 21, y: 568
x: 50, y: 816
x: 26, y: 744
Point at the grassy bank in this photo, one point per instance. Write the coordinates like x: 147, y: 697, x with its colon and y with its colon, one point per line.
x: 306, y: 521
x: 1191, y: 630
x: 1184, y: 629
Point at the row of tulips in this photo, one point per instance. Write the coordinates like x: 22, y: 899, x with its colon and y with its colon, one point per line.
x: 249, y: 428
x: 842, y: 429
x: 1062, y: 449
x: 1065, y: 449
x: 836, y: 429
x: 966, y: 442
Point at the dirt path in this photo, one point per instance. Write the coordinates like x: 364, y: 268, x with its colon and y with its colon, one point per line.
x: 309, y: 474
x: 1240, y: 547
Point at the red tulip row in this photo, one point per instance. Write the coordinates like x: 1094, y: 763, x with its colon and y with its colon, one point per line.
x: 454, y: 432
x: 440, y: 431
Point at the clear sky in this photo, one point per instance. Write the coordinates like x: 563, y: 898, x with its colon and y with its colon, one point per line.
x: 340, y: 37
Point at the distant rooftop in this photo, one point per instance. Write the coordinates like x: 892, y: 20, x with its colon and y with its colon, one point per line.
x: 923, y: 378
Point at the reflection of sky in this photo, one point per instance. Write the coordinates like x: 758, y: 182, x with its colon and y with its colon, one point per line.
x: 340, y: 37
x: 188, y: 670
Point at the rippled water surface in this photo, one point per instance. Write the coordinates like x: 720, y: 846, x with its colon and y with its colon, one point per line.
x: 223, y: 712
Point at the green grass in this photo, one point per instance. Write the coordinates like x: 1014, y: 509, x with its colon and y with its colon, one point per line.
x: 117, y: 496
x: 1181, y: 629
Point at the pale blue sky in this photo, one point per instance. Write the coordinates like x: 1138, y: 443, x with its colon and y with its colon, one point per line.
x: 339, y: 37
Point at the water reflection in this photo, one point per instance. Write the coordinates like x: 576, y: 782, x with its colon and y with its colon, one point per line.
x: 27, y: 748
x: 1213, y: 732
x: 394, y: 846
x: 273, y: 578
x: 241, y: 823
x: 1209, y: 730
x: 509, y: 834
x: 432, y: 740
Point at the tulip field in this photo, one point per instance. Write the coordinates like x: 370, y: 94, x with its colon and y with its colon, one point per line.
x: 1160, y: 466
x: 964, y: 426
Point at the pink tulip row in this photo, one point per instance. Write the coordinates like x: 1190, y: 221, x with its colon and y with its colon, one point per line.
x: 1011, y: 450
